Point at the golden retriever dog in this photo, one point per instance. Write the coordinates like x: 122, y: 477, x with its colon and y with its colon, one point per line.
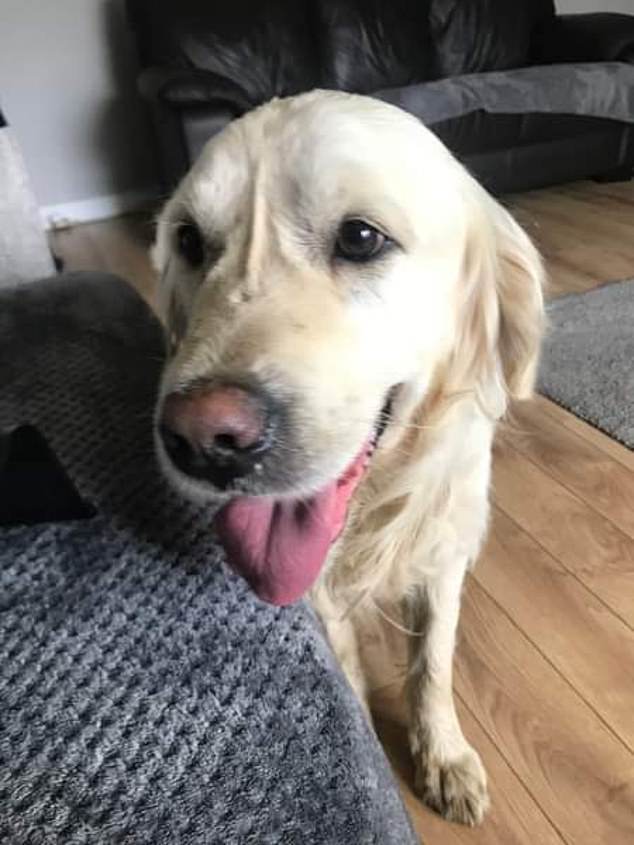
x: 348, y: 315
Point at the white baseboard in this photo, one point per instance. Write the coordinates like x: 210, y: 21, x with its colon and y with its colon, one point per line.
x: 95, y: 208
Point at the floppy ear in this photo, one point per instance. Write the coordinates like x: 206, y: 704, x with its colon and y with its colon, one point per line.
x: 519, y: 285
x: 502, y: 312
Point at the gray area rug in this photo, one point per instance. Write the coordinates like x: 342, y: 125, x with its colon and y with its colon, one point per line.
x: 146, y: 696
x: 588, y: 358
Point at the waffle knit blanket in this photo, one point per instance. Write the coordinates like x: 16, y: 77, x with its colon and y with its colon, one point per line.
x: 146, y: 696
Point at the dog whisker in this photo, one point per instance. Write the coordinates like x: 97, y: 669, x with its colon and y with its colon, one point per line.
x: 394, y: 623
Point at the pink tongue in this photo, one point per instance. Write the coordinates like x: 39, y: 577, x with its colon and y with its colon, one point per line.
x: 280, y: 546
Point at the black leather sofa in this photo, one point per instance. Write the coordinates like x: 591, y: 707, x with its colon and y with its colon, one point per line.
x: 205, y: 63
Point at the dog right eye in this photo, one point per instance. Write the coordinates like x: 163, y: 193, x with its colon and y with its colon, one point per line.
x: 189, y: 243
x: 358, y: 241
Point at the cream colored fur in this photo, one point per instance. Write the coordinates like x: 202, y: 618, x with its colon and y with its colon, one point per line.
x: 453, y: 316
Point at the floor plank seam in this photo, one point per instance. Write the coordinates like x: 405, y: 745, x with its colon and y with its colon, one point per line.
x: 580, y: 497
x: 571, y: 572
x: 589, y: 434
x: 594, y: 441
x: 554, y: 666
x: 557, y: 481
x: 525, y: 786
x: 497, y: 504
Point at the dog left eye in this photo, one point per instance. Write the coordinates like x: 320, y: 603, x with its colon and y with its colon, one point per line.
x: 359, y: 241
x: 190, y: 245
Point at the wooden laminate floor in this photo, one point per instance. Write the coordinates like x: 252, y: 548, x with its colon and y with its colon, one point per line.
x: 545, y: 663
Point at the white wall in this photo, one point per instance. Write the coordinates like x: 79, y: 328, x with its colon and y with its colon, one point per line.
x: 67, y: 86
x: 569, y: 6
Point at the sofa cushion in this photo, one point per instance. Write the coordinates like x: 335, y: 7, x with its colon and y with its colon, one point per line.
x: 598, y: 89
x: 265, y: 49
x: 471, y: 36
x: 508, y: 152
x: 485, y: 132
x: 370, y: 44
x: 595, y: 152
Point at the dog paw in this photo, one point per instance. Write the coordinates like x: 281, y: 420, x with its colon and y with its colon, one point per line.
x: 455, y: 788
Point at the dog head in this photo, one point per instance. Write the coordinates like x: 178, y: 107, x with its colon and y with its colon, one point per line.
x: 323, y: 264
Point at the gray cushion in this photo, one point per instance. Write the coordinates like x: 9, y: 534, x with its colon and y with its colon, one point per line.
x: 598, y: 89
x: 146, y: 696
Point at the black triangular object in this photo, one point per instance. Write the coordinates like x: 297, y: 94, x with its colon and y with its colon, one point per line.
x: 34, y: 487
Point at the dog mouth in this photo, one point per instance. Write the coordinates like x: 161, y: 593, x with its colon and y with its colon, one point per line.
x: 279, y: 546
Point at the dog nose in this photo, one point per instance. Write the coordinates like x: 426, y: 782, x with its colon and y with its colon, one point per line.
x: 217, y: 433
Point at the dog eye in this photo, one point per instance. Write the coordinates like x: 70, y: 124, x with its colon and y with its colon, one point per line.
x: 358, y: 241
x: 189, y: 243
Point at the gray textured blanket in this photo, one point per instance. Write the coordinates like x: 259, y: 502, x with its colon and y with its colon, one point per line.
x: 597, y: 89
x: 146, y: 696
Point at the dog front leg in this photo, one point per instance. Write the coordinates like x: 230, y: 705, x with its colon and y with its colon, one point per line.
x: 449, y: 774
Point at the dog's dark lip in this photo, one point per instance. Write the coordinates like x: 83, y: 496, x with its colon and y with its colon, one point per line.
x: 385, y: 415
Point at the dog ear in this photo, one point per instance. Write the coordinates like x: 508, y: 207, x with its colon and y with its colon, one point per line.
x: 502, y: 310
x: 519, y: 285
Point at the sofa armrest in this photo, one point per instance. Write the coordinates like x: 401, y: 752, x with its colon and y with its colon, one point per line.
x: 184, y: 87
x: 596, y: 37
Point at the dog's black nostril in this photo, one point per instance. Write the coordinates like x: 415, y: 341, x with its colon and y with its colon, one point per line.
x: 227, y: 443
x: 177, y: 446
